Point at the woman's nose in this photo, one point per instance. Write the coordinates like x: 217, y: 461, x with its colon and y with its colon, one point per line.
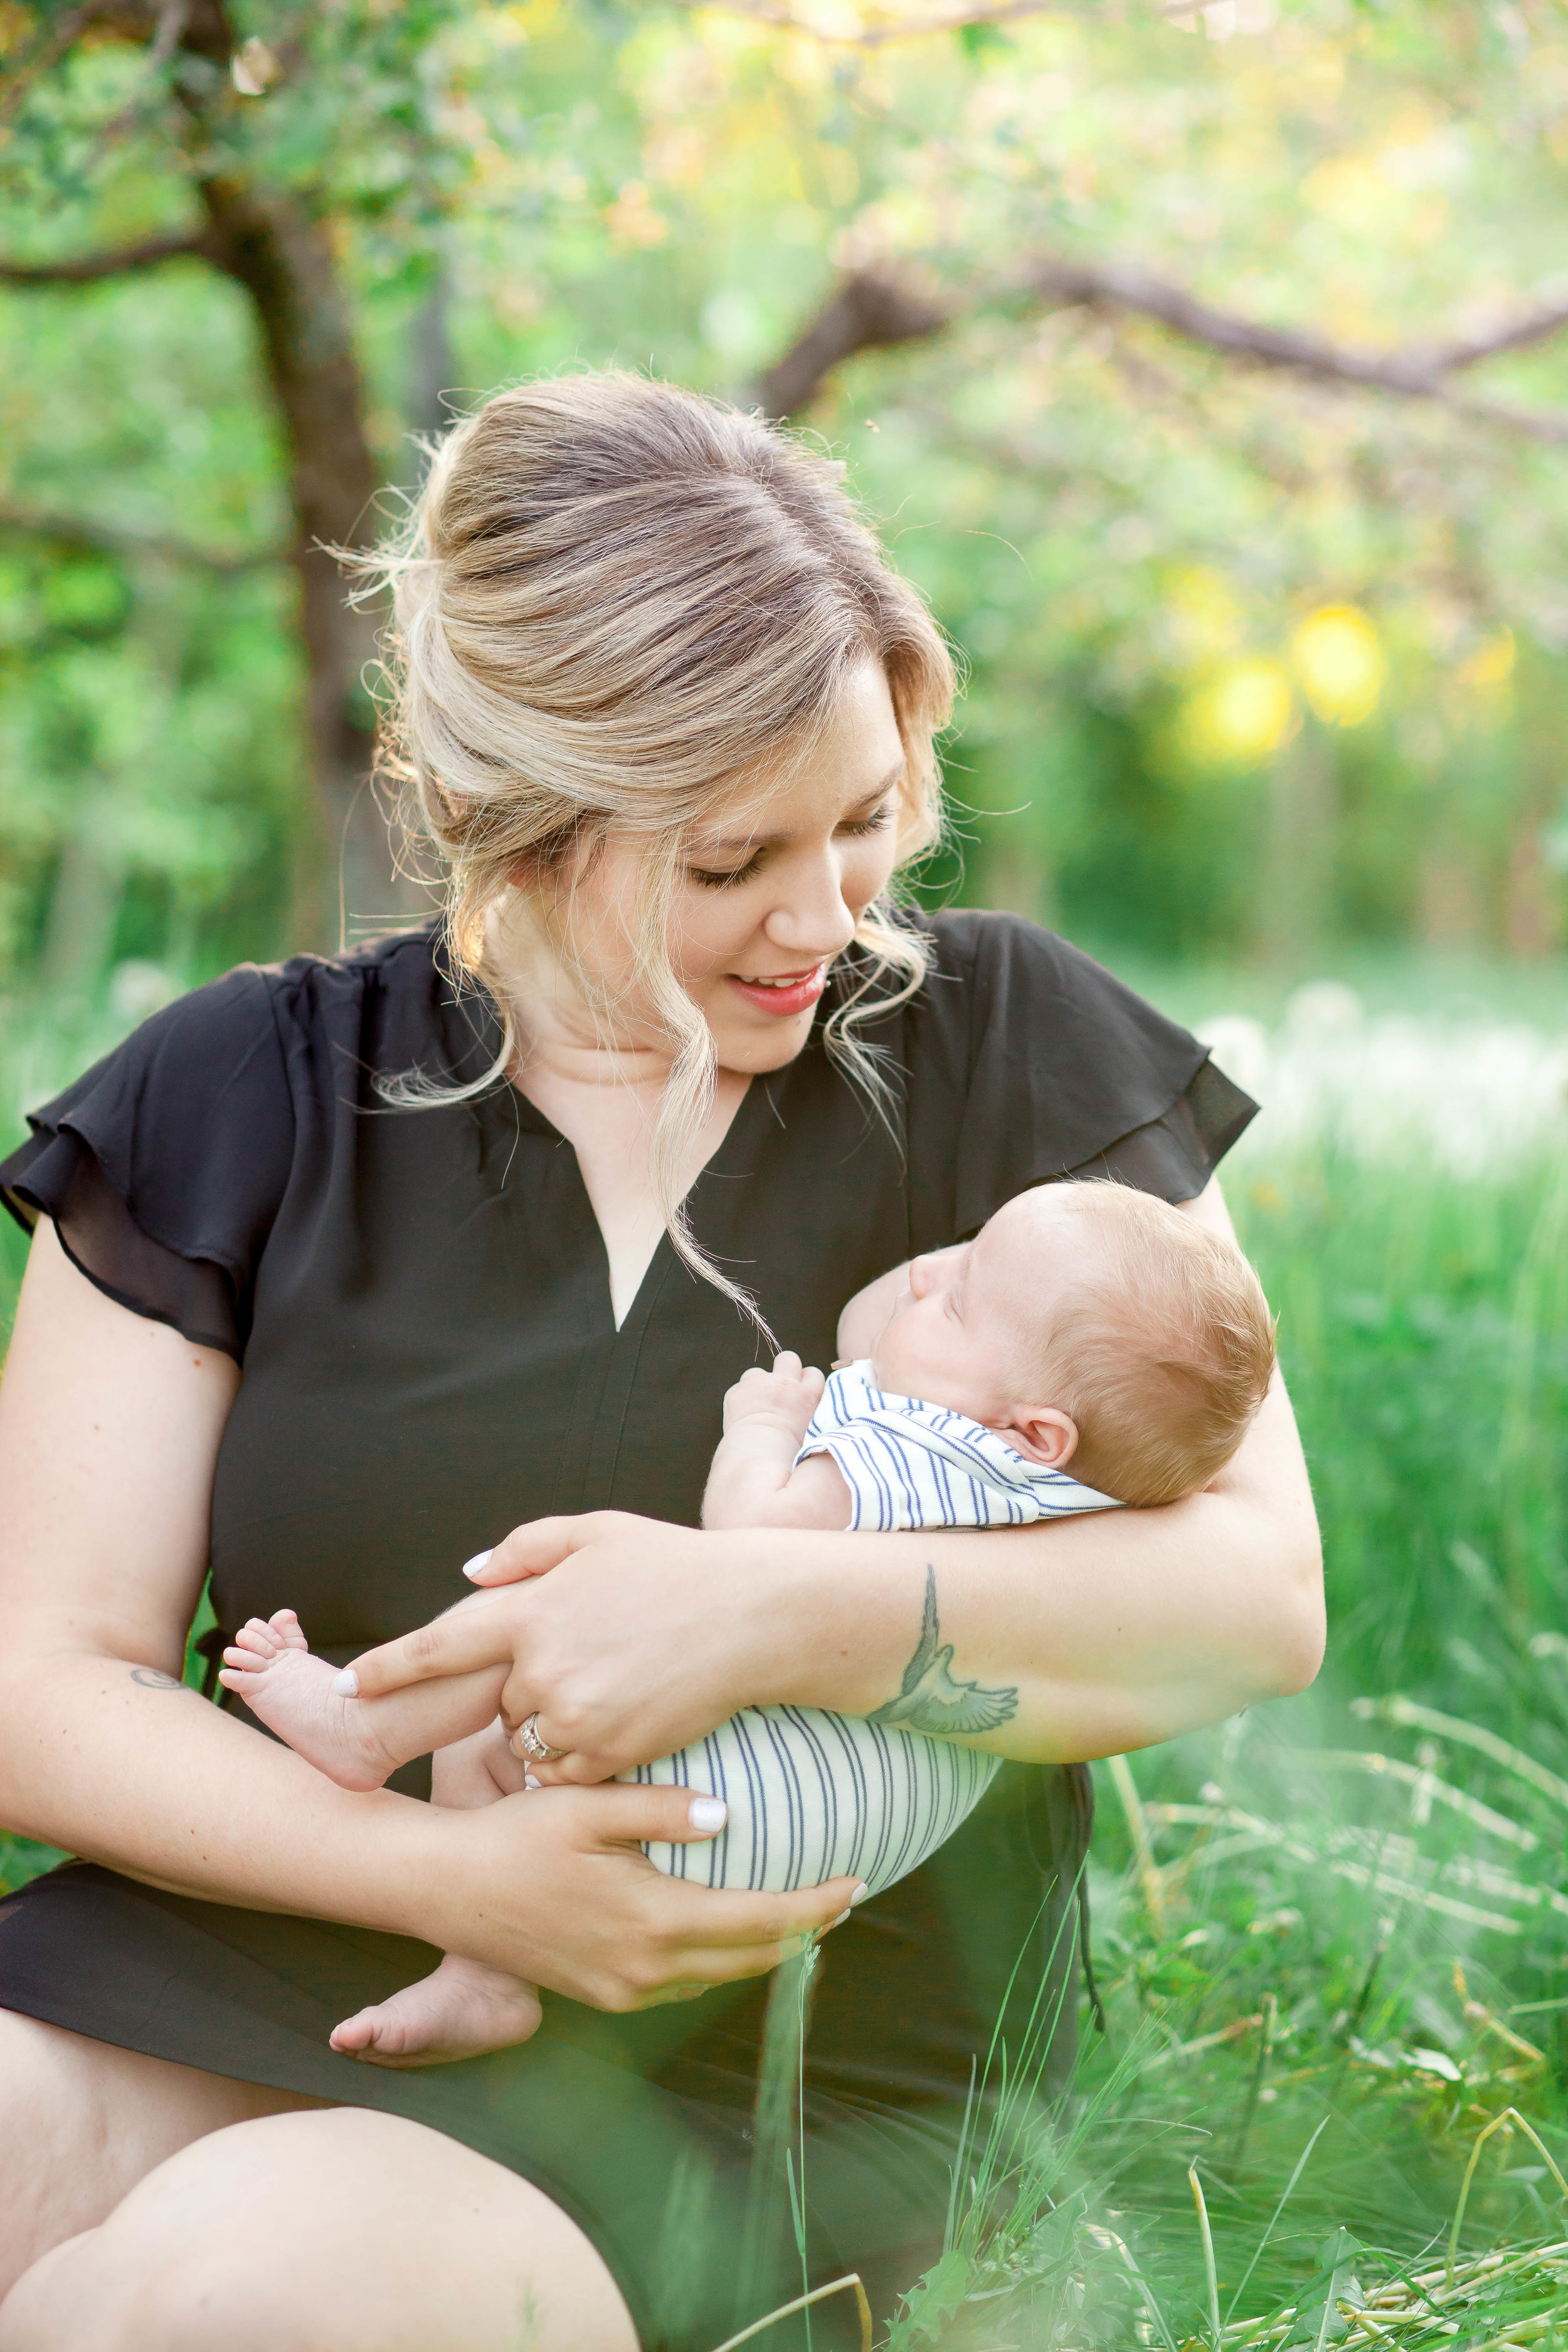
x: 810, y: 916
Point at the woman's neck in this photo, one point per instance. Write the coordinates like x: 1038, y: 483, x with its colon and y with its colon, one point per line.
x: 603, y: 1095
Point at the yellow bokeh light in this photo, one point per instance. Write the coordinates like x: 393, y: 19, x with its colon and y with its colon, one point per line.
x: 1491, y: 665
x: 1243, y: 714
x: 1340, y: 660
x: 1204, y: 610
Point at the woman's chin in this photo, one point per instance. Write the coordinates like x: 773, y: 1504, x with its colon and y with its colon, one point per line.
x: 749, y: 1049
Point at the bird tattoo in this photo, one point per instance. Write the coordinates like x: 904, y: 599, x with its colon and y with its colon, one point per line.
x: 930, y: 1699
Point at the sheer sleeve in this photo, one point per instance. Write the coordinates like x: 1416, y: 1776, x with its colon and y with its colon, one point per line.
x: 1051, y: 1068
x: 162, y: 1167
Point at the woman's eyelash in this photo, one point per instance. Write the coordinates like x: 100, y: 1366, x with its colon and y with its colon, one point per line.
x: 878, y: 821
x: 727, y: 881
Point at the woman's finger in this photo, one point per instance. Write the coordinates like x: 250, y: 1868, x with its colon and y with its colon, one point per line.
x: 721, y: 1918
x: 540, y: 1545
x: 462, y: 1642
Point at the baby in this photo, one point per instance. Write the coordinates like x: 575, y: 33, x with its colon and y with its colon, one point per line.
x: 1086, y: 1324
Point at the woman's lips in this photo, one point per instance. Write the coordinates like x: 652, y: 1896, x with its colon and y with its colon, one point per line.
x: 792, y: 993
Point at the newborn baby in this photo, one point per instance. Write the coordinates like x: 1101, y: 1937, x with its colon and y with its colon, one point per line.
x: 1085, y: 1324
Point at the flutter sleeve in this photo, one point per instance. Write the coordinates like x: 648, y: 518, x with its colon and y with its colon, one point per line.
x: 162, y: 1167
x: 1051, y: 1068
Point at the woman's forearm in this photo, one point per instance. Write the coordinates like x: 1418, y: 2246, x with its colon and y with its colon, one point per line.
x: 1077, y: 1639
x: 120, y: 1763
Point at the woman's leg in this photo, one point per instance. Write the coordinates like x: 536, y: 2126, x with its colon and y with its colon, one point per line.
x: 337, y: 2232
x: 81, y: 2122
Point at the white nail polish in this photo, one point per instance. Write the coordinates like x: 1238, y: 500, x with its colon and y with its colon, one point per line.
x: 839, y: 1921
x: 529, y: 1782
x: 858, y: 1896
x: 708, y: 1814
x: 480, y: 1559
x: 346, y: 1684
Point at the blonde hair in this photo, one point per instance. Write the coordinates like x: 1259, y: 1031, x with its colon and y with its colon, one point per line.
x: 614, y: 600
x: 1163, y: 1359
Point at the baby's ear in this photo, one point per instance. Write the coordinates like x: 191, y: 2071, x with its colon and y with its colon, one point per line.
x: 1042, y: 1433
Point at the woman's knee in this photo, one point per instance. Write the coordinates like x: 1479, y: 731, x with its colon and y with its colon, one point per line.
x: 348, y: 2230
x: 82, y: 2122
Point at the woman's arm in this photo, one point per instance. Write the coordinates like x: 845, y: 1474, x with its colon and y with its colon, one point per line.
x: 108, y: 1432
x: 1082, y: 1638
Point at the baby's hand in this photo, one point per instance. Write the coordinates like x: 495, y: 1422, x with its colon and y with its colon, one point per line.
x: 787, y: 1396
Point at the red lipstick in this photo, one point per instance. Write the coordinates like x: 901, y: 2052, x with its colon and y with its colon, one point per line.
x: 792, y: 993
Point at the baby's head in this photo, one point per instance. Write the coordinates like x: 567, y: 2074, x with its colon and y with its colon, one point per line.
x: 1094, y: 1325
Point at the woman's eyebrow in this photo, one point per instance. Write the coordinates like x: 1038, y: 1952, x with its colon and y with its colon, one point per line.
x: 735, y: 842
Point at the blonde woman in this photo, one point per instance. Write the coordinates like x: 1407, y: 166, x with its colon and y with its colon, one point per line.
x: 344, y: 1269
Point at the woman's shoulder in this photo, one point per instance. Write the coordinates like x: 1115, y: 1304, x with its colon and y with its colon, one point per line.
x: 289, y: 1024
x: 1027, y: 1061
x: 1001, y: 980
x: 176, y: 1148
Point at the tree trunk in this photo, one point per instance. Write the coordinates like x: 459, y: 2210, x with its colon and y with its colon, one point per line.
x: 345, y: 884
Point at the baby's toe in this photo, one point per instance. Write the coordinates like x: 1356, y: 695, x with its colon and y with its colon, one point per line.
x: 286, y: 1628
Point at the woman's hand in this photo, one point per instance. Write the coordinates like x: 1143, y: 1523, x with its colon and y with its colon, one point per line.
x: 642, y: 1638
x: 571, y: 1902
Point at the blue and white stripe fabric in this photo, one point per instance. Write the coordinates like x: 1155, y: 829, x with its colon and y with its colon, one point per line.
x: 814, y: 1796
x: 911, y: 1464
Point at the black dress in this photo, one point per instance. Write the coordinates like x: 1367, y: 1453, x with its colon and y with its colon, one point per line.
x: 421, y: 1304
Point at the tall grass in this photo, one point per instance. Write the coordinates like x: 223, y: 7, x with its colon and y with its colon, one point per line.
x: 1333, y: 1928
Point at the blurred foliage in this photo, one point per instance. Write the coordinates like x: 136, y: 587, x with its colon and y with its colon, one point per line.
x: 1257, y: 664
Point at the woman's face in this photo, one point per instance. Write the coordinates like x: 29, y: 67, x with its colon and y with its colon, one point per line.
x: 773, y: 887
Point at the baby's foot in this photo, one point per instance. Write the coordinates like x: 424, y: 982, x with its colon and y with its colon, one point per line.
x: 460, y: 2010
x: 269, y: 1666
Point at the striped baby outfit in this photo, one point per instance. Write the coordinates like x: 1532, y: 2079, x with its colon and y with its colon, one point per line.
x: 908, y: 1463
x: 812, y: 1795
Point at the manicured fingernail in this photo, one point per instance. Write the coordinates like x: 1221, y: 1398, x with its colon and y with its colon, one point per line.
x: 858, y: 1896
x: 708, y: 1814
x: 346, y: 1684
x: 529, y: 1782
x: 839, y: 1921
x: 480, y: 1559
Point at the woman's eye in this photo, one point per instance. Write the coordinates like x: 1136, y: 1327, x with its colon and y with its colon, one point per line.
x: 878, y: 821
x: 725, y: 878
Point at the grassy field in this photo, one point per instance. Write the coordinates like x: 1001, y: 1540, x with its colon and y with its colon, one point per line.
x: 1333, y: 1928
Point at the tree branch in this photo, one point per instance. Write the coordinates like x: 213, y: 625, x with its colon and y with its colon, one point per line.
x: 83, y: 537
x: 87, y: 268
x: 868, y: 310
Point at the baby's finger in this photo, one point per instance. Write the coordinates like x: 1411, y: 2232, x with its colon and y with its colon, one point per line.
x: 788, y: 1363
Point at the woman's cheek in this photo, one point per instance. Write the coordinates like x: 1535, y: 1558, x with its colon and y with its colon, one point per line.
x: 868, y: 871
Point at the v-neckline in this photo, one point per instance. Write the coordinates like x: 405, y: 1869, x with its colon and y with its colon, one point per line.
x: 664, y: 1257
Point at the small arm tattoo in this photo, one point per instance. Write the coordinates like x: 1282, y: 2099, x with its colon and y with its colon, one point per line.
x: 930, y: 1699
x: 154, y: 1678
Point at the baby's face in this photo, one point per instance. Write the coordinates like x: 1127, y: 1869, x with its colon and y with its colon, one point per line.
x: 958, y: 1336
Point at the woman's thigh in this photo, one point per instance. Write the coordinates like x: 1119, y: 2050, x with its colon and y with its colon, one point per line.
x: 82, y: 2122
x: 339, y: 2231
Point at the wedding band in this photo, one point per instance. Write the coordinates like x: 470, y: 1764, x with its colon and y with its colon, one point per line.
x: 539, y: 1751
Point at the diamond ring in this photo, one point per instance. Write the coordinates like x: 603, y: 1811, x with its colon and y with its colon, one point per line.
x: 538, y: 1750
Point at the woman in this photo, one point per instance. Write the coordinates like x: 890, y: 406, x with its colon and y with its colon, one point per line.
x: 668, y: 716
